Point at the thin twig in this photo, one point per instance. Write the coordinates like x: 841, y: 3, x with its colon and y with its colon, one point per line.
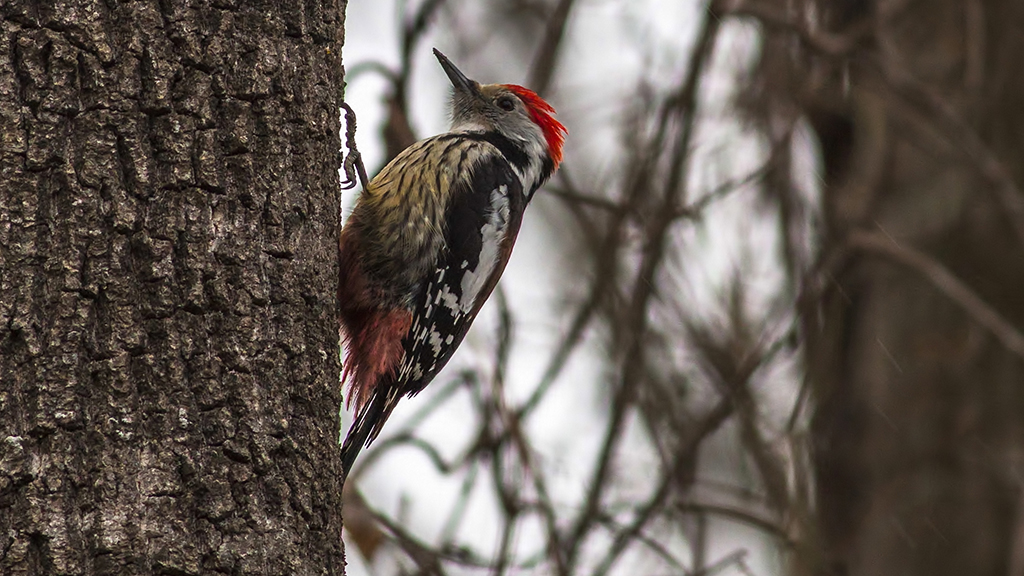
x: 647, y: 541
x: 963, y: 137
x: 686, y: 455
x: 682, y: 104
x: 543, y: 68
x: 820, y: 41
x: 946, y: 282
x: 739, y: 515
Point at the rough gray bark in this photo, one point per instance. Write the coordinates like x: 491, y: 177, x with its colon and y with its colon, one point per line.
x: 168, y: 338
x: 917, y: 428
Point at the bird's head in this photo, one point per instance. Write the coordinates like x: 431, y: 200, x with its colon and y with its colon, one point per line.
x: 515, y: 112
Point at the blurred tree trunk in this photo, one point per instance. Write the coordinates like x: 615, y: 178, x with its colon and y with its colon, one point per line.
x: 168, y: 344
x: 918, y: 426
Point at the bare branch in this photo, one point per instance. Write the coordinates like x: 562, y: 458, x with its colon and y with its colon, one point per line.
x: 945, y: 282
x: 685, y: 458
x: 681, y: 104
x: 738, y: 515
x: 820, y: 41
x: 544, y: 64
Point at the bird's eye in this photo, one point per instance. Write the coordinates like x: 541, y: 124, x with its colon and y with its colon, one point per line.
x: 506, y: 103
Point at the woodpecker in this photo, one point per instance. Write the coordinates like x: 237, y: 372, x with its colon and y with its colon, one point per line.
x: 428, y: 239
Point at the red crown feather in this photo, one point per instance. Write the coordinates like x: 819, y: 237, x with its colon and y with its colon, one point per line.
x: 541, y: 112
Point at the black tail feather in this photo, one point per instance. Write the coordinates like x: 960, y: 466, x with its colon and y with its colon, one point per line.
x: 363, y: 430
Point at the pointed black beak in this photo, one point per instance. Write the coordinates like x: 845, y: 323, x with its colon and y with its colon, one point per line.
x: 459, y: 80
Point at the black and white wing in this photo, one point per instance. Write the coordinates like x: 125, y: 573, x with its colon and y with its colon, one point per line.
x: 482, y: 223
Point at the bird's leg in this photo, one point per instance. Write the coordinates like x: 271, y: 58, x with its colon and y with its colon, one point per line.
x: 353, y: 164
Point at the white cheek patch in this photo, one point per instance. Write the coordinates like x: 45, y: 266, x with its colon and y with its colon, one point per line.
x: 491, y: 235
x: 536, y: 148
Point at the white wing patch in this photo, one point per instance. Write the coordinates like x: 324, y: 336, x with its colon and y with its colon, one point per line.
x: 492, y: 234
x: 425, y: 331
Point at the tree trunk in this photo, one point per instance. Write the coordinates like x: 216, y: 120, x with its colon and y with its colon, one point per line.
x: 918, y: 436
x: 168, y: 335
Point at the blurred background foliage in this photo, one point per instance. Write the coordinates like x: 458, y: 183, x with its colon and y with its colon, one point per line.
x: 766, y: 319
